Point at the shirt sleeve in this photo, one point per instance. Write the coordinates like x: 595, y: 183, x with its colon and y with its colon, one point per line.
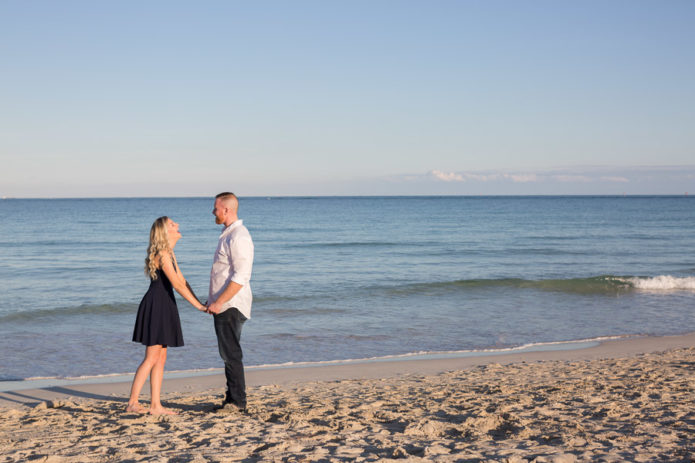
x: 241, y: 257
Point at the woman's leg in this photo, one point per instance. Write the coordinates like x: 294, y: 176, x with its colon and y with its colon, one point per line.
x: 152, y: 356
x: 156, y: 377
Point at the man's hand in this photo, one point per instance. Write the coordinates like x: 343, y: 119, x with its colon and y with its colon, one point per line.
x: 214, y: 308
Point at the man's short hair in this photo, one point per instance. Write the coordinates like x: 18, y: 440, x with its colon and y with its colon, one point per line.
x: 226, y: 195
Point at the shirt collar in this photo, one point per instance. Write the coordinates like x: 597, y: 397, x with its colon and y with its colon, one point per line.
x: 231, y: 227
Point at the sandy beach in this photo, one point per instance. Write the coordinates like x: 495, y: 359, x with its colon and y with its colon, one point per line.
x: 627, y: 400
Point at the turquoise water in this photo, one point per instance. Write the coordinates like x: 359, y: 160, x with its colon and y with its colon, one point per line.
x: 347, y: 278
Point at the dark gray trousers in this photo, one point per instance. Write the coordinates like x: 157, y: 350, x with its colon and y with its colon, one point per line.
x: 228, y: 326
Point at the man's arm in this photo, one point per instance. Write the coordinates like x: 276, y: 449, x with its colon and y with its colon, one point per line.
x: 228, y: 293
x: 241, y: 254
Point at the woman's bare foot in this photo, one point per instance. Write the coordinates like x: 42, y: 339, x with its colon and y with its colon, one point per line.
x: 135, y: 408
x: 162, y: 411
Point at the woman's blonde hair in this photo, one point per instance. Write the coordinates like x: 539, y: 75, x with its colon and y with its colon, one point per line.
x: 159, y: 242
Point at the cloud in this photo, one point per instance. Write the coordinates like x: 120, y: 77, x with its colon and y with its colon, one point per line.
x: 567, y: 176
x: 572, y: 178
x: 522, y: 178
x: 438, y: 175
x: 446, y: 176
x: 615, y: 179
x: 482, y: 177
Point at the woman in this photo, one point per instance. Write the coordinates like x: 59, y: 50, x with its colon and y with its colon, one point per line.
x: 157, y: 325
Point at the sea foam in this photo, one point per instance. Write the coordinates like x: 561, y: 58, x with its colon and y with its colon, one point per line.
x: 661, y: 283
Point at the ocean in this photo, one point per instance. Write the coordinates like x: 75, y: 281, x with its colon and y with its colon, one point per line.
x: 339, y: 278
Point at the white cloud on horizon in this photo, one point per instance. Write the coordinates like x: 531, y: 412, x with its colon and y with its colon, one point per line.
x: 676, y: 179
x: 571, y: 178
x: 568, y: 175
x: 438, y: 175
x: 522, y: 178
x: 615, y: 179
x: 446, y: 177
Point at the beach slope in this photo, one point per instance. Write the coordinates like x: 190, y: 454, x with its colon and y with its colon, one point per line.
x: 628, y: 400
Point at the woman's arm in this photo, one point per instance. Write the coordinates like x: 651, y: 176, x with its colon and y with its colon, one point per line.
x: 173, y: 273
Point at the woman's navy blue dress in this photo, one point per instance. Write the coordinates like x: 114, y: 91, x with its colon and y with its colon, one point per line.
x: 158, y: 322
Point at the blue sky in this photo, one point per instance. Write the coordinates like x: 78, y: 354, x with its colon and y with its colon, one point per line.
x: 171, y: 98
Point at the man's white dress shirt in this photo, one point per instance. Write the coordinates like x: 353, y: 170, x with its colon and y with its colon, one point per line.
x: 233, y: 262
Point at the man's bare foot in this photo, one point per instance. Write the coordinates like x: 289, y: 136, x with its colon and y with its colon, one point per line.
x: 162, y: 411
x: 135, y: 408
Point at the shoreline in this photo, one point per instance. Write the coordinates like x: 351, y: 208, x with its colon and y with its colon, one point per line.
x: 111, y: 387
x: 54, y: 381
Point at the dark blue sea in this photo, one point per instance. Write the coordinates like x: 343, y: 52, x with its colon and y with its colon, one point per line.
x: 340, y: 278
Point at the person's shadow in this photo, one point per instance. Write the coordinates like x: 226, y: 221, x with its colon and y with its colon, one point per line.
x: 66, y: 393
x: 29, y: 400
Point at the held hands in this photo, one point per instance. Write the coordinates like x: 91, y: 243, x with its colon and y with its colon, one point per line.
x: 211, y: 308
x: 202, y: 307
x: 214, y: 308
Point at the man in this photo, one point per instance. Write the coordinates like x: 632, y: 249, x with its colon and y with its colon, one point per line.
x: 229, y: 299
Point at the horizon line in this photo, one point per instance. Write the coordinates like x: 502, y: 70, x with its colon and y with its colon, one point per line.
x: 623, y: 195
